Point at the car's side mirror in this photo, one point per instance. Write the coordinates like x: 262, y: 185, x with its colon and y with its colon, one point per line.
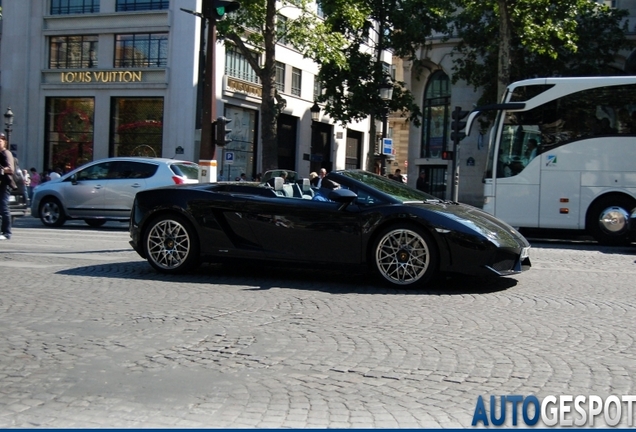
x: 73, y: 178
x: 342, y: 196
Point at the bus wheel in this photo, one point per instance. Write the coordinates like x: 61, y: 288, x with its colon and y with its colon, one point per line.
x: 608, y: 220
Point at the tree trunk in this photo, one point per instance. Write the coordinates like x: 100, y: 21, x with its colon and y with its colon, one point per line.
x: 505, y: 36
x: 269, y: 109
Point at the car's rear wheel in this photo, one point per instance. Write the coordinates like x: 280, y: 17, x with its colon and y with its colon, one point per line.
x: 608, y: 220
x: 95, y: 223
x: 171, y: 244
x: 405, y: 255
x: 51, y: 212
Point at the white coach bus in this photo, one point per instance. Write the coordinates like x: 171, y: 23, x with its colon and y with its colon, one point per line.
x: 562, y: 154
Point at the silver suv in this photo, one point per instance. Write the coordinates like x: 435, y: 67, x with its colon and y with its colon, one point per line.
x: 104, y: 190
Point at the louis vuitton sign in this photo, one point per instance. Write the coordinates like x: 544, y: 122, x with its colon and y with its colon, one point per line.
x: 244, y: 87
x: 101, y: 77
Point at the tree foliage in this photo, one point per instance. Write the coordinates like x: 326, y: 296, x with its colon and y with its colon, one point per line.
x: 350, y: 76
x: 547, y: 38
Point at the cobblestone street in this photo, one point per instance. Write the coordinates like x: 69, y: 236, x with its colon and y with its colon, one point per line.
x: 91, y: 336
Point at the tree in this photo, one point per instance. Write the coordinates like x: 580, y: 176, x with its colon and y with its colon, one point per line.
x: 254, y: 29
x: 503, y: 41
x: 351, y: 76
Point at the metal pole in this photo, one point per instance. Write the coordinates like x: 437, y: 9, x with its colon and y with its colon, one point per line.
x: 208, y: 114
x: 385, y: 119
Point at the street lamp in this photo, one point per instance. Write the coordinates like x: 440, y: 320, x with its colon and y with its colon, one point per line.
x: 315, y: 112
x: 315, y: 117
x: 8, y: 122
x: 386, y: 94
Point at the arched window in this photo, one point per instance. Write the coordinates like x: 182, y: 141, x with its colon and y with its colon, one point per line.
x: 436, y: 110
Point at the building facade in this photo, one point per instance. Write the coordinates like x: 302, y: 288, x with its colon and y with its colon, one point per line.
x: 88, y: 79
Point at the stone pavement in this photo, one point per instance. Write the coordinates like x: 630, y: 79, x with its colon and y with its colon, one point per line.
x: 91, y: 336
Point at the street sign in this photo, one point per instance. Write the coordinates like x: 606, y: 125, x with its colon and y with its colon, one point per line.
x: 387, y: 146
x: 229, y: 158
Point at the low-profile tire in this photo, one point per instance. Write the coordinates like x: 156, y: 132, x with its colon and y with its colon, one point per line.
x: 608, y: 220
x: 405, y: 255
x: 51, y: 212
x: 95, y: 223
x: 171, y: 244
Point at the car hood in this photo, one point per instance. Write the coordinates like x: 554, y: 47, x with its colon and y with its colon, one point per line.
x: 479, y: 221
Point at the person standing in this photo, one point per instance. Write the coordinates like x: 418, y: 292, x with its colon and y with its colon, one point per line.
x: 35, y: 182
x: 398, y: 176
x: 6, y: 184
x: 422, y: 184
x: 321, y: 175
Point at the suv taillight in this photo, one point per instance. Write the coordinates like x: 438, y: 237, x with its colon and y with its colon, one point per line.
x: 177, y: 180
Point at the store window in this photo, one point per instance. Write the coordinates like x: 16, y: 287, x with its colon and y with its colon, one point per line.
x: 141, y: 50
x: 436, y: 107
x: 138, y: 5
x: 237, y: 66
x: 65, y: 7
x: 137, y: 127
x: 69, y: 132
x: 73, y: 52
x: 242, y: 145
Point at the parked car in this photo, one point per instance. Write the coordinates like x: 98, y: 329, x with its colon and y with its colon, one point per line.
x: 104, y: 190
x: 406, y: 235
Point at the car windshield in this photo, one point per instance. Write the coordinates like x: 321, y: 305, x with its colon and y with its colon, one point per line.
x: 187, y: 170
x: 397, y: 190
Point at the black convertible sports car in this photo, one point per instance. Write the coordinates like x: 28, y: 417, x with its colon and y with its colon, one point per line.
x: 360, y: 219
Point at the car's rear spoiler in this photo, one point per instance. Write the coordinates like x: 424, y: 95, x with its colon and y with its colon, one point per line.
x: 510, y: 106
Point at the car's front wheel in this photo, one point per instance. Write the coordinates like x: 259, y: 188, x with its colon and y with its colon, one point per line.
x: 405, y: 255
x: 51, y: 212
x: 171, y: 244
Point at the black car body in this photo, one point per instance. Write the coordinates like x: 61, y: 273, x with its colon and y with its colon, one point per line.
x: 370, y: 220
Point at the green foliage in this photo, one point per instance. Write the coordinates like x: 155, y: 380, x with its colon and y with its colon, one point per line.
x: 351, y: 71
x: 549, y: 38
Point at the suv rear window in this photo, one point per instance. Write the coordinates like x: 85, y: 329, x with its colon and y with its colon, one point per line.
x: 189, y: 171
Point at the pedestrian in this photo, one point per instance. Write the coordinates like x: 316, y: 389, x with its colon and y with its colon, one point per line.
x: 6, y: 184
x: 243, y: 177
x: 398, y: 176
x: 321, y: 175
x: 55, y: 174
x: 27, y: 184
x: 35, y: 182
x: 421, y: 183
x: 313, y: 178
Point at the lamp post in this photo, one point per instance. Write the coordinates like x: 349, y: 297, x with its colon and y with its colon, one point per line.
x: 315, y: 117
x: 386, y: 94
x: 8, y: 122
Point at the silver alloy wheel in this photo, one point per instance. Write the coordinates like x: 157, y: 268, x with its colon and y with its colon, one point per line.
x: 50, y: 212
x: 168, y: 244
x: 402, y: 256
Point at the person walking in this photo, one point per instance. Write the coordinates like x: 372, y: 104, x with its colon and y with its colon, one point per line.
x: 6, y: 184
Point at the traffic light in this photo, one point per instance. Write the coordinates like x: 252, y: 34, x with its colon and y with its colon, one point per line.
x: 222, y: 131
x: 222, y: 7
x: 458, y: 126
x: 447, y: 155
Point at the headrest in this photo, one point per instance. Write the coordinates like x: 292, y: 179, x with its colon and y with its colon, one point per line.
x: 306, y: 185
x: 278, y: 183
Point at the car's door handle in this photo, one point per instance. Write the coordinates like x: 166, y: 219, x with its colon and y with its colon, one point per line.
x: 136, y: 185
x: 98, y: 186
